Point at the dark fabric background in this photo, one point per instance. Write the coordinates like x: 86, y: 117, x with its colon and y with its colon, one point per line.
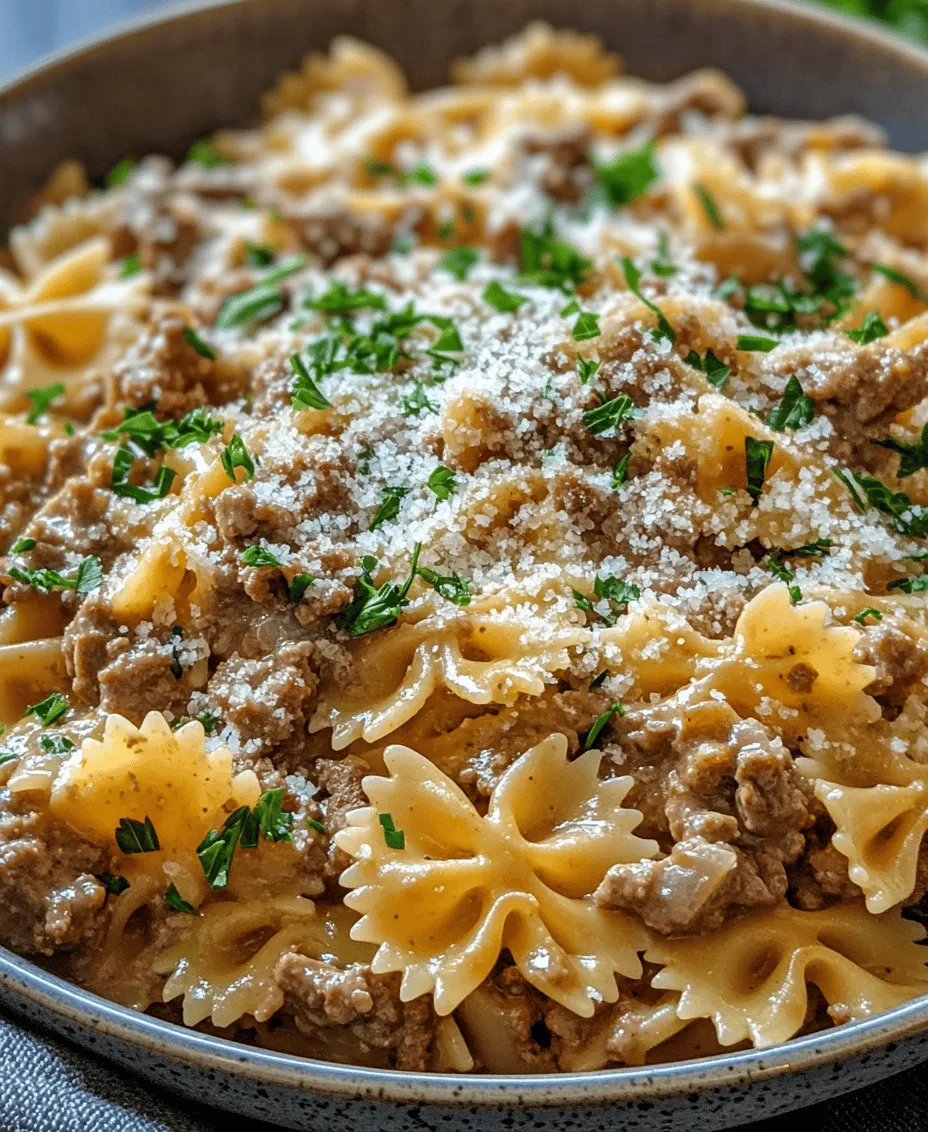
x: 47, y: 1086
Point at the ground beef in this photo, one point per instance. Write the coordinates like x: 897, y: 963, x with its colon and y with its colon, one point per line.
x: 48, y: 892
x: 321, y: 997
x: 899, y: 660
x: 142, y: 676
x: 735, y: 811
x: 341, y: 780
x: 162, y: 367
x: 267, y: 701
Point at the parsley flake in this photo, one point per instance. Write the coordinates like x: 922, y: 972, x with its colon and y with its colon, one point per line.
x: 917, y: 585
x: 794, y: 410
x: 305, y: 393
x: 236, y: 455
x: 757, y: 343
x: 459, y: 262
x: 49, y: 710
x: 628, y: 175
x: 376, y: 607
x: 41, y: 398
x: 709, y: 206
x: 395, y: 838
x: 861, y: 618
x: 451, y: 586
x: 259, y: 556
x: 611, y: 590
x: 908, y: 518
x: 298, y: 585
x: 137, y: 836
x: 120, y: 485
x: 131, y: 265
x: 586, y: 370
x: 609, y: 414
x: 273, y: 822
x: 872, y: 328
x: 22, y: 545
x: 263, y: 300
x: 475, y: 177
x: 633, y: 282
x: 620, y: 471
x: 586, y: 327
x: 549, y: 262
x: 501, y: 299
x: 120, y: 172
x: 389, y: 507
x: 895, y: 276
x: 717, y: 373
x: 912, y: 457
x: 601, y: 723
x: 176, y: 902
x: 113, y: 883
x: 442, y: 482
x: 196, y: 342
x: 757, y: 455
x: 204, y: 152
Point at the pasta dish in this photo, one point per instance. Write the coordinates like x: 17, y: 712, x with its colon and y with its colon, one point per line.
x: 465, y: 570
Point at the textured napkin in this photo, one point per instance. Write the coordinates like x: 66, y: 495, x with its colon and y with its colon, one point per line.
x: 47, y: 1085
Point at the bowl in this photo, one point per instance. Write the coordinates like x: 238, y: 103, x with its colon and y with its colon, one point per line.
x: 155, y: 86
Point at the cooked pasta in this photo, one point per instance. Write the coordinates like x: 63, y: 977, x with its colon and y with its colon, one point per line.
x: 463, y: 581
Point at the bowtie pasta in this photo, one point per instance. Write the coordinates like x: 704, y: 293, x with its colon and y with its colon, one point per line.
x: 464, y: 578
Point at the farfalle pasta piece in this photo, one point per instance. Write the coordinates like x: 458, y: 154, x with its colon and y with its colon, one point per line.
x: 224, y: 963
x: 879, y: 829
x: 791, y: 655
x: 53, y: 328
x: 751, y: 978
x: 492, y: 654
x: 149, y: 771
x: 465, y: 887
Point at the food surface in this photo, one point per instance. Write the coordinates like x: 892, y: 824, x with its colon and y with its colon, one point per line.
x: 463, y: 587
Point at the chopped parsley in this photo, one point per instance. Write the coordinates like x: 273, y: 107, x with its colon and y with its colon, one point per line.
x: 500, y: 299
x: 451, y: 586
x: 56, y: 744
x: 609, y: 414
x: 633, y: 282
x: 662, y: 264
x: 873, y: 327
x: 442, y: 482
x: 794, y: 410
x: 709, y: 206
x: 305, y: 393
x: 912, y: 457
x: 204, y: 152
x: 338, y: 299
x: 316, y: 825
x: 586, y: 370
x: 475, y: 177
x: 120, y: 485
x: 896, y: 276
x: 916, y: 585
x: 785, y: 573
x: 259, y: 556
x: 601, y: 723
x: 908, y: 518
x: 620, y: 471
x: 415, y: 403
x: 757, y: 455
x: 377, y: 167
x: 586, y: 327
x: 861, y: 618
x: 131, y: 265
x: 22, y: 545
x: 376, y: 607
x: 49, y: 710
x: 459, y: 262
x: 817, y: 549
x: 262, y: 301
x: 819, y: 255
x: 611, y: 590
x: 196, y: 342
x: 89, y: 577
x: 149, y: 435
x: 717, y: 373
x: 756, y: 343
x: 395, y: 838
x: 628, y: 175
x: 41, y: 398
x: 389, y: 506
x: 259, y: 255
x: 176, y: 902
x: 548, y: 262
x: 236, y: 455
x: 298, y: 585
x: 419, y: 174
x: 137, y: 836
x: 120, y: 172
x: 113, y: 883
x: 273, y: 822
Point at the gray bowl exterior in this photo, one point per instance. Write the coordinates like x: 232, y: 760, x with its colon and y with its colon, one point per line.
x: 156, y: 86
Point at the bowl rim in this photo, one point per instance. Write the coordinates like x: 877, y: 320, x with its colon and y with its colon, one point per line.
x: 25, y: 982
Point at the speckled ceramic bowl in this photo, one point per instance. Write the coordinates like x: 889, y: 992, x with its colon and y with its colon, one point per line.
x: 154, y: 87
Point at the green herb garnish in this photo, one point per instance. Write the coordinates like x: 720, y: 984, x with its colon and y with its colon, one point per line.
x: 395, y: 838
x: 236, y: 455
x: 501, y: 299
x: 628, y: 175
x: 872, y: 328
x: 442, y: 482
x: 709, y: 206
x: 757, y: 455
x: 633, y: 282
x: 794, y: 410
x: 137, y: 836
x: 597, y: 729
x: 196, y: 342
x: 41, y: 399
